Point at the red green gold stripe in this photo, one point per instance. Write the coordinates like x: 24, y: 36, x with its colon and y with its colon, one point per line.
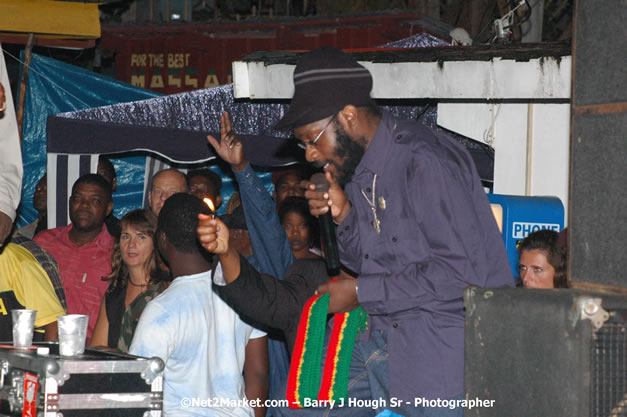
x: 299, y: 354
x: 330, y: 364
x: 304, y: 377
x: 354, y: 323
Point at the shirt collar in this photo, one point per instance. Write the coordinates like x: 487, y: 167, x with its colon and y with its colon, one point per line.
x: 375, y: 157
x: 104, y: 240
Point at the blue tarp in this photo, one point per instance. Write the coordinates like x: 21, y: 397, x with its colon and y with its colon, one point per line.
x: 56, y: 87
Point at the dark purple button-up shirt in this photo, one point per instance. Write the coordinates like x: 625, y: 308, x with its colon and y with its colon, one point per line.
x: 437, y: 237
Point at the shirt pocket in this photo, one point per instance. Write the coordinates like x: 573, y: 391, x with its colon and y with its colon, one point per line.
x: 401, y: 246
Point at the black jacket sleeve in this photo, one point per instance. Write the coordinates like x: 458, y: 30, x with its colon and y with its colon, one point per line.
x: 271, y: 302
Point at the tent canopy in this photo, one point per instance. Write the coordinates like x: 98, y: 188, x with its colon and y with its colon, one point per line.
x: 175, y: 128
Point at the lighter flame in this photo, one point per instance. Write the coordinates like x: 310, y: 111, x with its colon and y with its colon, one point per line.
x: 209, y: 203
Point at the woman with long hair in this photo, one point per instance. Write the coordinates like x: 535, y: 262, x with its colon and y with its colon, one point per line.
x: 135, y: 279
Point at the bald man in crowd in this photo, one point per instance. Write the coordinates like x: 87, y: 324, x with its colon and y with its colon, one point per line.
x: 165, y: 183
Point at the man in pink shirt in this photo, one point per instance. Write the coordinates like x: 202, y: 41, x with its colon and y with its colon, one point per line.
x: 83, y: 249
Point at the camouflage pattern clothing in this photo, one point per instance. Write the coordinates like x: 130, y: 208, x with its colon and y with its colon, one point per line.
x: 134, y: 312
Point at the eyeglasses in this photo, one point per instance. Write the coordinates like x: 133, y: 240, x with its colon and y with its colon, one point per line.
x: 305, y: 145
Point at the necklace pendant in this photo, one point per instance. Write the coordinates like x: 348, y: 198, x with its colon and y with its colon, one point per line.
x: 376, y: 223
x: 372, y: 202
x: 381, y: 202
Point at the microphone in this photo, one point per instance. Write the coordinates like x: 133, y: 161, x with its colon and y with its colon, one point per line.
x: 327, y: 230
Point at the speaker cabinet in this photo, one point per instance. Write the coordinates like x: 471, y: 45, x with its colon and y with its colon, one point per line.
x: 546, y: 353
x: 598, y: 170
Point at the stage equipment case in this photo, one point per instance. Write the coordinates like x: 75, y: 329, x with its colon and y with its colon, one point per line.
x: 96, y: 383
x: 539, y: 353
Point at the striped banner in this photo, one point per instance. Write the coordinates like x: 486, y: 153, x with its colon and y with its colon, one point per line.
x: 63, y: 171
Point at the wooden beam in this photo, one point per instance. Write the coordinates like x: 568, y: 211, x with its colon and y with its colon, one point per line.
x: 50, y: 17
x: 42, y: 40
x: 601, y: 288
x: 24, y: 84
x: 606, y: 108
x: 541, y: 79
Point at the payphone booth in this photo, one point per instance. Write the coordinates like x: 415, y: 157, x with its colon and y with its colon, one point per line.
x: 520, y: 215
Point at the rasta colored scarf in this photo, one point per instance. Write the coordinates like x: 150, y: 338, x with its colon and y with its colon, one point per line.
x: 304, y: 377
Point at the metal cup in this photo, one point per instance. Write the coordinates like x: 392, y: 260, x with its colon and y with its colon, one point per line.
x: 23, y: 327
x: 72, y: 334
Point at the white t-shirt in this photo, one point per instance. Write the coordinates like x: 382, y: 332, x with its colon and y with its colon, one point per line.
x: 11, y: 170
x: 202, y: 342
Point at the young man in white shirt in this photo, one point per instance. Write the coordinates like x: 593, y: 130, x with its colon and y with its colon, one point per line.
x: 204, y: 344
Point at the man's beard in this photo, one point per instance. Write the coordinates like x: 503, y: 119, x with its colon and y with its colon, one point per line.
x: 350, y: 152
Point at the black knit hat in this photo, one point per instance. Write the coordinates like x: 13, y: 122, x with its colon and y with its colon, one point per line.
x: 325, y: 80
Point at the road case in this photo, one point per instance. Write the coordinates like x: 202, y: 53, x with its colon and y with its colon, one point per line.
x: 40, y: 383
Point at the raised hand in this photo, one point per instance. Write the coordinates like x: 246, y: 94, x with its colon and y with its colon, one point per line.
x: 230, y: 147
x: 213, y: 235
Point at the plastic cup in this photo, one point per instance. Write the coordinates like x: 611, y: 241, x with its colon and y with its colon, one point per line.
x: 72, y: 334
x: 23, y: 327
